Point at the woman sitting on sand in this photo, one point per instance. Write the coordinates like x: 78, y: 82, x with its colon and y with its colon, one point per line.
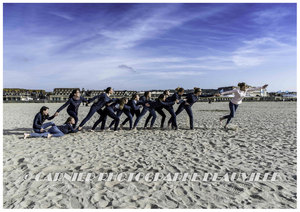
x: 239, y: 94
x: 57, y: 131
x: 38, y: 127
x: 74, y: 102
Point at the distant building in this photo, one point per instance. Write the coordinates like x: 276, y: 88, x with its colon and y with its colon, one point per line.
x: 19, y: 94
x: 60, y: 94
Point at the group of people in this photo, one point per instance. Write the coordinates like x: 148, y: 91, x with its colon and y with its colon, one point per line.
x: 136, y: 106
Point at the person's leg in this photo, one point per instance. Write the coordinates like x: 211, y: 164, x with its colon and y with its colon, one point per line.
x: 138, y: 118
x: 232, y: 108
x: 102, y: 118
x: 88, y: 116
x: 173, y: 117
x: 147, y: 119
x: 163, y: 117
x: 48, y: 124
x: 153, y: 114
x: 180, y: 108
x: 112, y: 115
x: 55, y: 132
x: 74, y: 115
x: 38, y: 134
x: 190, y: 113
x: 119, y: 113
x: 129, y: 117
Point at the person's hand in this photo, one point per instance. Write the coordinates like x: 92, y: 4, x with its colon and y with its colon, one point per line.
x: 56, y: 114
x: 42, y: 130
x: 147, y: 105
x: 266, y: 85
x: 176, y: 100
x: 108, y: 104
x: 187, y: 103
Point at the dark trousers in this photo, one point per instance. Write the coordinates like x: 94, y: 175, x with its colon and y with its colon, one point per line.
x: 100, y: 112
x: 160, y: 112
x: 108, y: 111
x: 189, y: 111
x: 129, y: 117
x: 138, y: 118
x: 151, y: 114
x: 74, y: 115
x: 133, y: 112
x: 233, y: 108
x: 173, y: 116
x: 92, y: 111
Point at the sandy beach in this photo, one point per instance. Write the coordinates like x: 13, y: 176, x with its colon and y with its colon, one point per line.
x: 265, y: 141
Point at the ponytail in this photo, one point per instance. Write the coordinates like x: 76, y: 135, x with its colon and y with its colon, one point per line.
x: 107, y: 89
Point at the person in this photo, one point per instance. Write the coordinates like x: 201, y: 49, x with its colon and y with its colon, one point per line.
x: 239, y: 93
x: 73, y: 104
x: 109, y: 110
x: 176, y: 96
x: 58, y: 131
x: 191, y: 98
x: 158, y: 103
x: 134, y: 109
x: 39, y: 127
x: 160, y: 111
x: 100, y: 101
x: 144, y: 100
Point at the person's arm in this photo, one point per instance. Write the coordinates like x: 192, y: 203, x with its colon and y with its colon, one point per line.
x: 207, y: 95
x: 50, y: 117
x: 135, y: 106
x: 93, y: 99
x: 72, y: 130
x: 36, y: 120
x: 167, y: 103
x: 126, y: 107
x: 229, y: 92
x: 84, y: 99
x: 64, y: 105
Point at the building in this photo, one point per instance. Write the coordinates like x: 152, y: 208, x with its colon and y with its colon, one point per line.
x: 60, y: 94
x: 19, y: 94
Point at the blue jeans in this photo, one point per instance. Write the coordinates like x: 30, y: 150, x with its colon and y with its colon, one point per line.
x: 38, y: 133
x: 55, y: 132
x: 129, y: 117
x: 189, y: 111
x: 153, y: 115
x: 233, y: 108
x: 108, y: 111
x: 133, y: 112
x: 173, y: 116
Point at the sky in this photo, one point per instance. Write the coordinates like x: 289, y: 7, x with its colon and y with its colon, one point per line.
x: 149, y: 46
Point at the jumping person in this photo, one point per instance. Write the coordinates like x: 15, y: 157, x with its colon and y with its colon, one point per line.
x: 74, y: 102
x: 144, y: 100
x: 153, y: 105
x: 134, y: 108
x: 101, y: 101
x: 176, y: 96
x: 38, y: 127
x: 58, y: 131
x: 239, y: 94
x: 191, y: 98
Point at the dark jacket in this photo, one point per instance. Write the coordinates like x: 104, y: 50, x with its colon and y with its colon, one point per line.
x: 174, y: 97
x: 100, y: 100
x: 39, y: 120
x: 73, y: 104
x: 67, y: 128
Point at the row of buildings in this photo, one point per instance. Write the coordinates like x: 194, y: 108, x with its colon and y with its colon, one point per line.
x: 62, y: 94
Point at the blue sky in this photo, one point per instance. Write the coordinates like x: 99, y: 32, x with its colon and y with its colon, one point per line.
x: 149, y: 46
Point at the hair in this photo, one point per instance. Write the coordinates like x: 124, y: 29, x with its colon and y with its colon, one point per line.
x: 69, y: 119
x: 196, y: 90
x: 146, y: 94
x: 41, y: 111
x: 73, y: 92
x: 179, y: 89
x: 134, y: 96
x: 122, y: 102
x: 161, y: 97
x: 107, y: 89
x: 165, y: 92
x: 241, y: 84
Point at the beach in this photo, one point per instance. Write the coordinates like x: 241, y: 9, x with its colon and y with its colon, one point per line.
x: 262, y: 139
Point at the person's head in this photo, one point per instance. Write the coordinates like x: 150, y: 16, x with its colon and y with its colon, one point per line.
x: 242, y: 86
x: 147, y: 94
x: 75, y: 93
x: 179, y: 90
x: 197, y: 91
x: 123, y: 101
x: 44, y: 110
x: 166, y: 93
x: 109, y: 90
x: 70, y: 120
x: 162, y: 97
x: 135, y: 97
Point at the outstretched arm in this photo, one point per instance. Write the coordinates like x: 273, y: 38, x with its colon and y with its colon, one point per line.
x: 228, y: 92
x: 63, y: 106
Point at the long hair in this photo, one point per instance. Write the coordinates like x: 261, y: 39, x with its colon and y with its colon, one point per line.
x: 73, y: 92
x: 69, y: 119
x: 161, y: 97
x: 107, y: 89
x: 41, y: 111
x: 134, y: 96
x: 179, y: 89
x: 241, y: 84
x: 165, y: 92
x: 122, y: 102
x: 146, y: 94
x: 196, y: 90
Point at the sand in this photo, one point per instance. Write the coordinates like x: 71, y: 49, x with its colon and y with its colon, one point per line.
x: 264, y: 141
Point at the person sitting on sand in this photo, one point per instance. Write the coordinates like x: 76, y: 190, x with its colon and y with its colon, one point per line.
x: 239, y: 94
x: 38, y: 127
x: 57, y: 131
